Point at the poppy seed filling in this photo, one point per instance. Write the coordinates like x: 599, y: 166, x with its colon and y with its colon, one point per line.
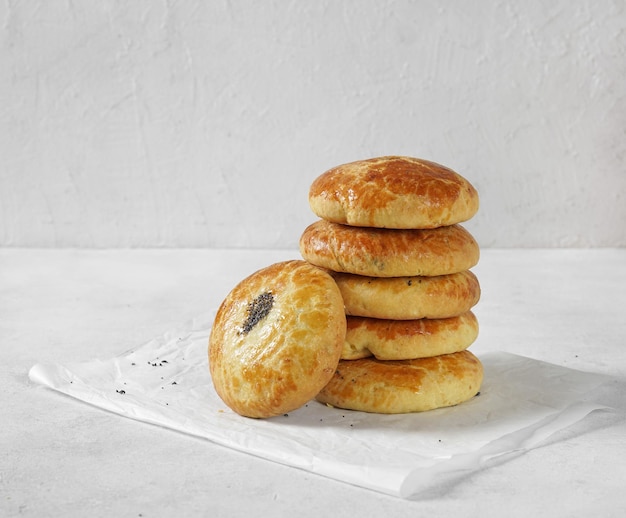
x: 257, y: 310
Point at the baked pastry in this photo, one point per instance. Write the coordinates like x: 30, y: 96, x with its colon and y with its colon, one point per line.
x: 276, y: 339
x: 400, y: 386
x: 393, y: 192
x: 380, y: 252
x: 408, y: 298
x: 408, y: 339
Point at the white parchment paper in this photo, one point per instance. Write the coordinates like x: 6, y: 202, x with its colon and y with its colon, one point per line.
x: 167, y: 382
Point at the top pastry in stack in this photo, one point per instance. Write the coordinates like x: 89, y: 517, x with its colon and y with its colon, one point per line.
x: 391, y: 238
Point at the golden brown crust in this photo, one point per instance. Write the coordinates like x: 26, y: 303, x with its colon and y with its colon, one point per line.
x: 276, y: 339
x: 389, y: 253
x: 393, y: 192
x: 395, y: 387
x: 408, y: 298
x: 408, y: 339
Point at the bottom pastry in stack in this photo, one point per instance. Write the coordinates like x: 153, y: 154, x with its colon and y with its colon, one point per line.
x: 400, y: 386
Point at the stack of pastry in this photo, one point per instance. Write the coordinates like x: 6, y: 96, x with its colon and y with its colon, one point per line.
x: 391, y: 238
x: 377, y: 317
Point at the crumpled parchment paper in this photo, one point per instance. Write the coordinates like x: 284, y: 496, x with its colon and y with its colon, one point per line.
x: 167, y: 382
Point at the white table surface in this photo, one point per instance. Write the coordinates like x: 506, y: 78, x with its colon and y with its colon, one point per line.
x: 60, y: 457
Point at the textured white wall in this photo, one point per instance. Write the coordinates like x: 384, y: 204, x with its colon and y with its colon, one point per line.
x: 202, y: 123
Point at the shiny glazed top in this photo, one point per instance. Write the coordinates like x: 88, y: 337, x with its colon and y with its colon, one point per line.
x: 393, y: 192
x: 276, y: 339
